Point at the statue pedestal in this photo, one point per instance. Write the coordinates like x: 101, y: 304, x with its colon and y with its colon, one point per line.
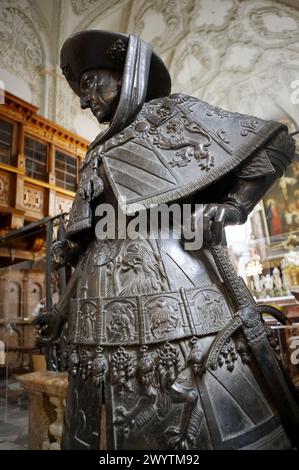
x: 47, y: 392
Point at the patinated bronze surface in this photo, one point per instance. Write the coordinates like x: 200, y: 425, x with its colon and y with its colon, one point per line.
x: 169, y: 338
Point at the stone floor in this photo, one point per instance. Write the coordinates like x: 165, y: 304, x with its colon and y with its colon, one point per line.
x: 13, y: 417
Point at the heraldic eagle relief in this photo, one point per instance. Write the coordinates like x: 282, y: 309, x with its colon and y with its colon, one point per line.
x: 168, y: 338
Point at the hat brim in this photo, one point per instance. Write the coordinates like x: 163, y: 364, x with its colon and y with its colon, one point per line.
x: 92, y: 50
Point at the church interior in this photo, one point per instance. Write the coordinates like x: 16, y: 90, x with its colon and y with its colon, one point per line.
x: 237, y: 55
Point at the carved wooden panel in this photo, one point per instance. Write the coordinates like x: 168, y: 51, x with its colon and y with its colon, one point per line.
x: 62, y: 203
x: 34, y: 295
x: 14, y: 299
x: 11, y: 287
x: 34, y: 200
x: 20, y: 294
x: 4, y: 189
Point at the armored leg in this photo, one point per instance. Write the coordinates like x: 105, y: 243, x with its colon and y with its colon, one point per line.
x: 82, y: 422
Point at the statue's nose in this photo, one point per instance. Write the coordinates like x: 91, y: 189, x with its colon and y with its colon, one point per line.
x: 85, y: 101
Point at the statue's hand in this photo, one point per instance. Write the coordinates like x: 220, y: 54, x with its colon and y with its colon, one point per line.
x: 215, y: 218
x: 49, y: 326
x: 91, y: 189
x: 58, y: 254
x: 85, y: 191
x: 63, y: 252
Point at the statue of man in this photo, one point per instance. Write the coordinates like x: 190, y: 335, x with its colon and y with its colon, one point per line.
x: 159, y: 148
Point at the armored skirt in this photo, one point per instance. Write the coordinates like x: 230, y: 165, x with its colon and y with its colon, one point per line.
x: 141, y: 322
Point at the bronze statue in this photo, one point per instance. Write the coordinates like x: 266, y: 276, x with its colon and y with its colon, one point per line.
x: 169, y: 339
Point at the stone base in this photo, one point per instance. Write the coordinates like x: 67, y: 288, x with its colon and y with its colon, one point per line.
x: 46, y: 391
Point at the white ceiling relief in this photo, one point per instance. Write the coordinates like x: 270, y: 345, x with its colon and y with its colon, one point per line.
x: 163, y: 23
x: 22, y: 53
x: 274, y: 25
x: 113, y: 18
x: 193, y: 65
x: 81, y: 6
x: 214, y: 15
x: 241, y: 55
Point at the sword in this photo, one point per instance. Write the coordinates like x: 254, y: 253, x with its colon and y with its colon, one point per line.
x: 248, y: 318
x: 48, y: 347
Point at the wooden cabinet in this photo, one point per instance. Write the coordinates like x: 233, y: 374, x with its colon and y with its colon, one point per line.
x: 21, y: 291
x: 39, y: 166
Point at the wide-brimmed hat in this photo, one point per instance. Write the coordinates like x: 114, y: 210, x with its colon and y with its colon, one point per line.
x: 97, y: 49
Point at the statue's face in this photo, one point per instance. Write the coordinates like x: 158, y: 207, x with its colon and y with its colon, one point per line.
x: 100, y: 91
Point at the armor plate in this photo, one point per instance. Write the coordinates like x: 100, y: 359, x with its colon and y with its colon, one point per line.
x: 176, y: 146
